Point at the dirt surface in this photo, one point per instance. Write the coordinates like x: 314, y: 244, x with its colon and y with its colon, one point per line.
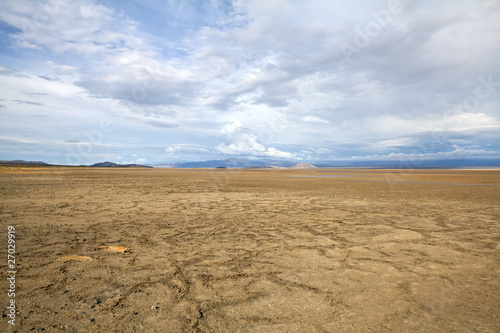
x: 162, y: 250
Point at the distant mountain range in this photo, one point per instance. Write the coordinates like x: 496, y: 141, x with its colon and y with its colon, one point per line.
x: 21, y: 162
x: 275, y: 164
x: 97, y: 165
x: 116, y: 165
x: 230, y: 163
x: 270, y: 164
x: 393, y: 164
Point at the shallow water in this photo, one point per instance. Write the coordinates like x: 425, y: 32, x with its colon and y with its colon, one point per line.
x: 394, y: 181
x: 417, y: 171
x: 322, y: 176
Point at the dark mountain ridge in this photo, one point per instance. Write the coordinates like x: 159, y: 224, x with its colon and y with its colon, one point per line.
x: 116, y: 165
x: 22, y: 162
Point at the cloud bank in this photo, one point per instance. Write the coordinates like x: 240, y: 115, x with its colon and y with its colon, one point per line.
x: 316, y: 80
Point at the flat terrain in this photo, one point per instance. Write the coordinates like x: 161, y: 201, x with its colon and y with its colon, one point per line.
x: 162, y: 250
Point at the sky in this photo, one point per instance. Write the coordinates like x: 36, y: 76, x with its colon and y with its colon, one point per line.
x: 147, y: 81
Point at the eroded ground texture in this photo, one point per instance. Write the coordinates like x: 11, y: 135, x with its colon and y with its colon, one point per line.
x: 252, y: 251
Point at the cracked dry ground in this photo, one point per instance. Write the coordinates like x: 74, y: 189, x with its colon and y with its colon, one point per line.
x: 253, y: 251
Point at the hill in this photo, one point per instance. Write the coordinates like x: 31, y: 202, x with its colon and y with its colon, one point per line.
x: 116, y: 165
x: 21, y: 162
x: 303, y: 166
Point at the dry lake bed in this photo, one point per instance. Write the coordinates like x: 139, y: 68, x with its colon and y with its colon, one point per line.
x: 168, y: 250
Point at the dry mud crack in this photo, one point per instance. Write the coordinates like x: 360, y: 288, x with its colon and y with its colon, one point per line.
x: 253, y: 251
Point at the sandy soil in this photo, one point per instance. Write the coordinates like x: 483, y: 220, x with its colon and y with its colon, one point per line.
x: 150, y: 250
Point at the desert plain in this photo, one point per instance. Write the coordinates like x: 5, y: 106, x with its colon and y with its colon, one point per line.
x: 323, y: 250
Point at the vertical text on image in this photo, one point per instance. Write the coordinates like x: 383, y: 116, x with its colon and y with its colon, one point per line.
x: 11, y: 274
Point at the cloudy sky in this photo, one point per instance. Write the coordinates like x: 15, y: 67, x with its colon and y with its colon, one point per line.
x: 148, y: 81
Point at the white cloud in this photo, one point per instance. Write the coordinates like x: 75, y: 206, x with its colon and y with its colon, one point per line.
x: 275, y: 66
x: 400, y: 142
x: 186, y: 148
x: 239, y: 142
x: 80, y: 27
x: 314, y: 119
x: 250, y: 147
x: 458, y: 152
x: 61, y: 69
x: 464, y: 121
x: 230, y: 129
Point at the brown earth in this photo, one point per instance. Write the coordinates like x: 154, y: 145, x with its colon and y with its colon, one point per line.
x: 159, y: 250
